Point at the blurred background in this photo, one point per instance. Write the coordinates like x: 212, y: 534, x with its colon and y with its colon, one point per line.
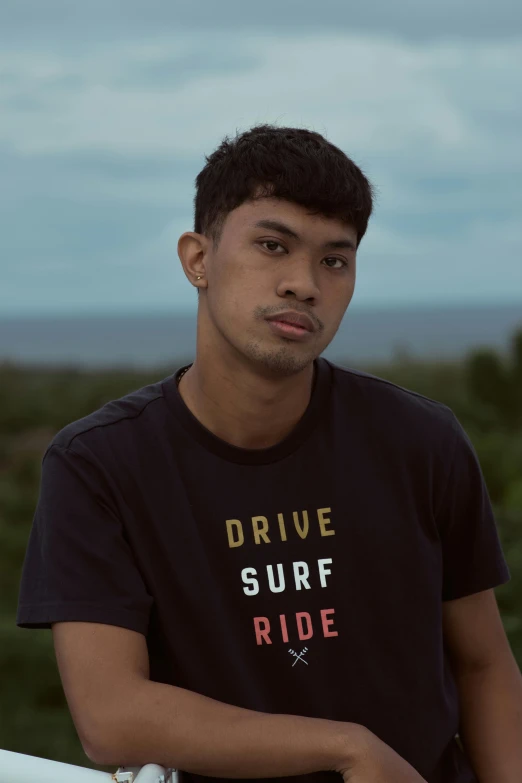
x: 108, y: 109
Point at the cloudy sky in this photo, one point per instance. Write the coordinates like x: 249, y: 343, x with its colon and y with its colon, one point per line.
x: 108, y: 107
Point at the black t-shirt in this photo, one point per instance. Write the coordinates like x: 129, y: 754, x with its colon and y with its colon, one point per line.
x: 306, y: 578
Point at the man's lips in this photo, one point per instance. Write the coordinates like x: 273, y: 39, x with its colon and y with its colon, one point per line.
x: 294, y: 319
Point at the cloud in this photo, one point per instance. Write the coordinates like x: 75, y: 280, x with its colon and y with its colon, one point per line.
x: 375, y: 97
x: 102, y: 20
x: 100, y: 145
x: 163, y: 71
x: 479, y: 262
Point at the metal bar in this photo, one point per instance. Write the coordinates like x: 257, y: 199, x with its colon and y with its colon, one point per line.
x: 153, y: 773
x: 150, y: 773
x: 19, y: 768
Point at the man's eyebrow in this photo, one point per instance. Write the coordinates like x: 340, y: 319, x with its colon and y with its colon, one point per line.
x: 275, y: 225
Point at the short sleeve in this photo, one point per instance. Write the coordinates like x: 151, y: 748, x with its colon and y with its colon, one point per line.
x: 78, y: 564
x: 473, y: 559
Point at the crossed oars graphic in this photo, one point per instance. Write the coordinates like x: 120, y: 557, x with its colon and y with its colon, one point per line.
x: 298, y: 656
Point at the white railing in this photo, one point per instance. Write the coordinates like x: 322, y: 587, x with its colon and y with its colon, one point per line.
x: 19, y: 768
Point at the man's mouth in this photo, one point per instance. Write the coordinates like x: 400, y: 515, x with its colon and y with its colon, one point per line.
x: 299, y: 321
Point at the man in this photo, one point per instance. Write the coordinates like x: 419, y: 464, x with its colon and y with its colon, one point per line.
x: 267, y: 565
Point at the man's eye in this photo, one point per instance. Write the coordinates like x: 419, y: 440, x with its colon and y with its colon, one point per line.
x: 271, y: 242
x: 340, y: 260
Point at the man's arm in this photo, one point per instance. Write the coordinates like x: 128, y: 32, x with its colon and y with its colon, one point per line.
x: 490, y: 687
x: 123, y: 718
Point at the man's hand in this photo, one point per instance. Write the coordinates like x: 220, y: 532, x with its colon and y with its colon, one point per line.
x: 376, y: 762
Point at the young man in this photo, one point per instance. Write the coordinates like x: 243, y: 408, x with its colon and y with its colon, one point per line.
x: 267, y: 565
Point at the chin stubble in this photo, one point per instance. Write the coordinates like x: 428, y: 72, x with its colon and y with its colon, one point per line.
x: 281, y: 360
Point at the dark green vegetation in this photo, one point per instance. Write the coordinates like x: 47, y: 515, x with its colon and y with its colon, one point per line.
x: 484, y: 390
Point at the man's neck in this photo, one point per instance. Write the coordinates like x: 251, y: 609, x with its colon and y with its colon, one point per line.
x: 244, y: 409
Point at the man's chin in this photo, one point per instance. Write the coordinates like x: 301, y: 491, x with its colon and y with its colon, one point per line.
x: 282, y: 362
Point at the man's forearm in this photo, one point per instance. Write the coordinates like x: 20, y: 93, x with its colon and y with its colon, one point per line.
x: 178, y: 728
x: 491, y: 721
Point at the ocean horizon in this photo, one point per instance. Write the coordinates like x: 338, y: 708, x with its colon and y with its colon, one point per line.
x: 146, y: 340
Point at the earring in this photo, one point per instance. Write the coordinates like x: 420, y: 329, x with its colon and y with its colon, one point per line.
x: 199, y: 277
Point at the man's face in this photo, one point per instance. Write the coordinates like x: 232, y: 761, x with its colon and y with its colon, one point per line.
x: 258, y: 272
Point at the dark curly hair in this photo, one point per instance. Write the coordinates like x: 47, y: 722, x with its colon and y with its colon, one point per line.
x: 294, y: 164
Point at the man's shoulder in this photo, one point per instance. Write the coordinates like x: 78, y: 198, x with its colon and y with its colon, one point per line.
x: 389, y: 403
x: 111, y: 418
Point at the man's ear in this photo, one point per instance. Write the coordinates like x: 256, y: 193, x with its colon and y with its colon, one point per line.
x: 192, y: 252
